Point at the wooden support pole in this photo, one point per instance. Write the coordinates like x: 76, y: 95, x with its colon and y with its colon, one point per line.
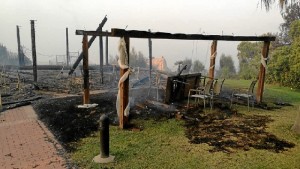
x: 213, y: 54
x: 86, y: 85
x: 150, y: 58
x: 19, y: 46
x: 101, y: 56
x: 34, y: 67
x: 67, y: 47
x: 124, y: 92
x: 106, y: 46
x: 262, y: 72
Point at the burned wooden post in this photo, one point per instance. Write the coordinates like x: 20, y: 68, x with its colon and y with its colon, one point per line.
x: 106, y: 46
x: 89, y: 45
x: 34, y: 67
x: 19, y: 47
x: 86, y: 85
x: 213, y: 54
x: 261, y: 75
x: 101, y: 55
x: 67, y: 47
x: 124, y: 91
x: 150, y: 59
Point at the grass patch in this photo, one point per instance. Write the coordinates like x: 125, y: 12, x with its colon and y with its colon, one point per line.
x: 163, y: 144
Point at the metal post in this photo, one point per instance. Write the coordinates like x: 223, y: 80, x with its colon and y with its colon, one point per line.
x: 104, y: 136
x: 86, y: 90
x: 104, y: 156
x: 34, y: 67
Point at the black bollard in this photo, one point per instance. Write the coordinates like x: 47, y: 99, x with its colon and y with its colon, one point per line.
x: 104, y: 136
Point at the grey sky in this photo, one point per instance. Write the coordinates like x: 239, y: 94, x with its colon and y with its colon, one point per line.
x: 238, y: 17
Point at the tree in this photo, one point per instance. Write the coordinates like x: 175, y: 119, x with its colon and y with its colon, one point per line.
x: 198, y: 67
x: 278, y: 66
x: 227, y: 69
x: 137, y: 59
x: 291, y: 14
x: 10, y: 58
x: 3, y: 53
x: 141, y: 60
x: 294, y: 32
x: 284, y: 65
x: 249, y: 55
x: 282, y: 3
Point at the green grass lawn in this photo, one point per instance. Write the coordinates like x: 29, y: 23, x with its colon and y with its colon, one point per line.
x: 163, y: 144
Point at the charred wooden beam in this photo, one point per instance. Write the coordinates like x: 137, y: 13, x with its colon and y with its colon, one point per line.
x: 34, y: 62
x: 262, y: 72
x: 106, y: 47
x: 19, y: 47
x: 67, y: 47
x: 101, y: 56
x: 162, y: 35
x: 94, y: 33
x: 150, y: 60
x: 89, y: 45
x: 22, y: 101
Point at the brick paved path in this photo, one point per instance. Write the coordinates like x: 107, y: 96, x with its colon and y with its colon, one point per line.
x: 26, y: 143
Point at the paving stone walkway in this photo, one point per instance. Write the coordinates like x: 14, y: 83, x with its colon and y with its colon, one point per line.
x: 25, y: 142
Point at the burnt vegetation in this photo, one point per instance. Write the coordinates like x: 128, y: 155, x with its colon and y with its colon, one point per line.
x: 223, y: 129
x: 226, y: 131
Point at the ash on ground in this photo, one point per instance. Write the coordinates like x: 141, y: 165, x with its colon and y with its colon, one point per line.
x: 227, y: 131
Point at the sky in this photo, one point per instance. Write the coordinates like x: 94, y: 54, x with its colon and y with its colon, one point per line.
x: 227, y: 17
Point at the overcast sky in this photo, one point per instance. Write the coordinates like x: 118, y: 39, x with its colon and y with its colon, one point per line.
x: 237, y: 17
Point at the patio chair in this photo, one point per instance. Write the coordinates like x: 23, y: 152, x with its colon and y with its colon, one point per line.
x: 202, y: 83
x: 217, y: 90
x: 244, y: 93
x: 204, y: 94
